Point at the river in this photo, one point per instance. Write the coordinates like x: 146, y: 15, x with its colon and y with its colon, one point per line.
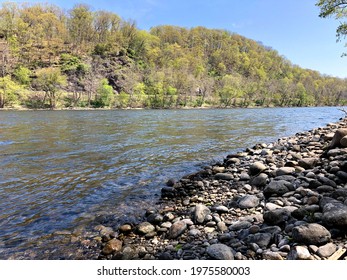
x: 62, y: 169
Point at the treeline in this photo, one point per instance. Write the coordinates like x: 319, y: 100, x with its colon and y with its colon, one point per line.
x: 82, y: 58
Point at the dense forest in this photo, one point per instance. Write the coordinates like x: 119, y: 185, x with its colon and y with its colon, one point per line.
x: 52, y: 58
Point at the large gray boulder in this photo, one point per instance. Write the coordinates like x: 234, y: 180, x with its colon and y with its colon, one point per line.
x: 339, y: 135
x: 334, y: 212
x: 311, y: 234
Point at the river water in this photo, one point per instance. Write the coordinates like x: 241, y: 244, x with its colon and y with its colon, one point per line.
x: 61, y: 169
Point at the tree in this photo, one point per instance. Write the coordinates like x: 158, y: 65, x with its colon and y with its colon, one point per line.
x: 105, y: 96
x: 4, y: 58
x: 80, y: 26
x: 230, y: 89
x: 50, y: 80
x: 9, y: 91
x: 22, y: 75
x: 336, y: 9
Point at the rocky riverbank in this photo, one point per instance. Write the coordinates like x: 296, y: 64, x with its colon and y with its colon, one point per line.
x: 284, y: 200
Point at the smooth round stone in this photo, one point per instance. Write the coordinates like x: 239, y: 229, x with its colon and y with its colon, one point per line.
x: 125, y: 228
x: 177, y: 229
x: 256, y: 168
x: 314, y: 234
x: 220, y: 252
x: 248, y: 201
x: 327, y: 250
x: 145, y: 228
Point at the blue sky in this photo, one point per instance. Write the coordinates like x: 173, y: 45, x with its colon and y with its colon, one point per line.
x: 291, y: 27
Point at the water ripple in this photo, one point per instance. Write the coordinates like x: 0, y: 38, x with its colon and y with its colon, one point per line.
x: 60, y: 169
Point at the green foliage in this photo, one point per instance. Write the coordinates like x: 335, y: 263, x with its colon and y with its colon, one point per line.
x: 50, y: 80
x: 108, y: 62
x: 105, y: 97
x: 22, y: 75
x: 122, y: 100
x: 9, y: 92
x: 336, y: 9
x: 230, y: 90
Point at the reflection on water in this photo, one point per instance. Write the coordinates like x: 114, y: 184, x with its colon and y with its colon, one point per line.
x: 60, y: 168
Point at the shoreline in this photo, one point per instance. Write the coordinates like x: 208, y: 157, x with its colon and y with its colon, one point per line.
x: 23, y: 109
x: 282, y: 200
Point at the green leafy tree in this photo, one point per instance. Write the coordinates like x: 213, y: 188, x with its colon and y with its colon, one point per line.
x: 9, y: 92
x: 80, y: 25
x: 336, y: 9
x: 230, y: 89
x: 105, y: 97
x: 22, y: 75
x: 50, y: 80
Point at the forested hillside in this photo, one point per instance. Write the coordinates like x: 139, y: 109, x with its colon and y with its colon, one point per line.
x: 52, y: 58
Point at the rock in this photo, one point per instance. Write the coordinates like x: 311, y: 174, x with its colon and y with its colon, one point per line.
x: 272, y: 206
x: 168, y: 192
x: 218, y: 169
x: 224, y: 176
x: 299, y: 253
x: 145, y: 227
x: 288, y: 178
x: 244, y: 176
x: 278, y: 188
x: 311, y: 234
x: 327, y: 250
x: 177, y: 229
x: 261, y: 239
x: 343, y: 166
x: 334, y: 152
x: 256, y: 168
x: 248, y: 201
x: 276, y: 217
x: 232, y: 161
x: 166, y: 225
x: 194, y: 232
x: 128, y: 253
x: 240, y: 225
x: 334, y: 212
x: 125, y: 228
x: 308, y: 163
x: 221, y: 209
x: 271, y: 229
x: 260, y: 180
x: 155, y: 218
x: 221, y: 226
x: 339, y: 193
x: 220, y: 252
x: 343, y: 141
x: 200, y: 212
x: 342, y: 176
x: 209, y: 229
x: 112, y: 246
x: 285, y: 171
x: 336, y: 141
x: 269, y: 255
x: 171, y: 182
x: 327, y: 181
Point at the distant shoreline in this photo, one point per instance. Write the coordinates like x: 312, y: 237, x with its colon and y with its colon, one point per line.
x: 140, y: 108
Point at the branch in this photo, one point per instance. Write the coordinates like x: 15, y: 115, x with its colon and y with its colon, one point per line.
x: 344, y: 110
